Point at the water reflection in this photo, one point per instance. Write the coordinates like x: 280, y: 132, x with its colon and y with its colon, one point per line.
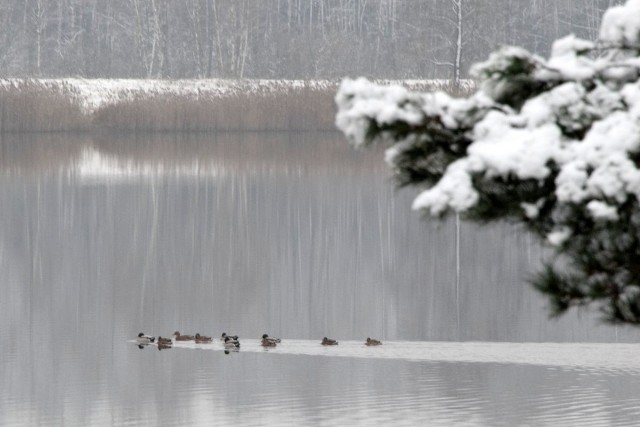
x: 291, y: 234
x: 296, y: 232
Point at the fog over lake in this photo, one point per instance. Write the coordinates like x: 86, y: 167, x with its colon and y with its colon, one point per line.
x: 292, y: 234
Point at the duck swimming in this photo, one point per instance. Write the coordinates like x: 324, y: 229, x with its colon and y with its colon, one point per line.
x: 266, y: 342
x: 327, y: 341
x: 201, y: 339
x: 178, y: 337
x: 224, y: 336
x: 145, y: 339
x: 371, y: 341
x: 274, y: 340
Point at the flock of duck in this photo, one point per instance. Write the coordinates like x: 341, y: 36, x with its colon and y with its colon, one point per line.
x: 230, y: 342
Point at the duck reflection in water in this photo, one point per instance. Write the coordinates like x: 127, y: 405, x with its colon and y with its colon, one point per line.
x: 231, y: 344
x: 164, y: 343
x: 164, y: 346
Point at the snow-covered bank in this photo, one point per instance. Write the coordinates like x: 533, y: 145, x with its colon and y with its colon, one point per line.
x: 92, y: 95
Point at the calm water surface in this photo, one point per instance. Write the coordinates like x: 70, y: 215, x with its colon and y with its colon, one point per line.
x: 295, y: 235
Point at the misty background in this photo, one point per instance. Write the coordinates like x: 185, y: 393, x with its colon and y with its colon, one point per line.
x: 302, y: 39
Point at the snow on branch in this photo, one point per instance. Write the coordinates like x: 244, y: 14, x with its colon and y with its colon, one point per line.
x: 554, y: 143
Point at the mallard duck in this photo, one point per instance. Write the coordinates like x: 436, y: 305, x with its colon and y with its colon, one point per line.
x: 202, y: 339
x: 327, y: 341
x: 274, y: 340
x: 145, y: 339
x: 231, y: 343
x: 371, y: 341
x: 178, y: 337
x: 224, y: 336
x: 266, y: 342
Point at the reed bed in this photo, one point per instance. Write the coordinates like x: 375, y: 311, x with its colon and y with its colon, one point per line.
x: 29, y: 107
x: 295, y: 109
x: 181, y: 106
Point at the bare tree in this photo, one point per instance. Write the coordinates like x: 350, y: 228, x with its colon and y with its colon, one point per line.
x: 278, y: 38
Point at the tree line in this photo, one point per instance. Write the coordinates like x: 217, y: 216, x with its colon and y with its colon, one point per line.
x: 302, y: 39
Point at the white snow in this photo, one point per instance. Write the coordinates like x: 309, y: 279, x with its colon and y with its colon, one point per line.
x: 532, y: 210
x: 621, y: 25
x: 385, y: 105
x: 455, y: 190
x: 601, y: 210
x: 567, y: 60
x: 501, y: 149
x: 558, y: 237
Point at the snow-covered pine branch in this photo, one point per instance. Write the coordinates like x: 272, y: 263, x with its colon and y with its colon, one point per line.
x: 553, y: 143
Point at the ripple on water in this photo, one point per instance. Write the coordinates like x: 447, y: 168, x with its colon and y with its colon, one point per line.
x: 421, y: 383
x: 592, y: 357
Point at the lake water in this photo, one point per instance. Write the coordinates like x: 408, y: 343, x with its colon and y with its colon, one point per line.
x: 295, y: 235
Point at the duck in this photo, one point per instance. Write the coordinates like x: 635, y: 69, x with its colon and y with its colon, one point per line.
x: 179, y: 337
x: 274, y: 340
x: 224, y: 336
x: 328, y: 341
x: 266, y: 342
x: 165, y: 341
x: 371, y: 341
x: 145, y: 339
x: 201, y: 339
x: 231, y: 343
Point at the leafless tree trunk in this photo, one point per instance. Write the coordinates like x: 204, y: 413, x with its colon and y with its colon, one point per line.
x: 39, y: 14
x: 457, y: 7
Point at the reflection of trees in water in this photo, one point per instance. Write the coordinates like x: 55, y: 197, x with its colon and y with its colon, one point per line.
x: 299, y: 233
x: 38, y: 153
x: 299, y: 152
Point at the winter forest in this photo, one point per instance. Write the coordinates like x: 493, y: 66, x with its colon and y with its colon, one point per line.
x: 284, y: 39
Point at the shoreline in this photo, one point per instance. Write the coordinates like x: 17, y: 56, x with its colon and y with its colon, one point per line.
x: 212, y: 105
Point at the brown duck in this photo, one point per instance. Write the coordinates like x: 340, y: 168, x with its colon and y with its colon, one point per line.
x: 178, y: 337
x: 201, y: 339
x: 371, y: 341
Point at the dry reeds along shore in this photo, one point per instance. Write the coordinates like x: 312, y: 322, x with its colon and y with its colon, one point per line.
x: 27, y: 106
x: 294, y: 109
x: 67, y: 105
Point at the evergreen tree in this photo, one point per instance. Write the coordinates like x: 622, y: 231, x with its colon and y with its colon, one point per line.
x: 553, y: 144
